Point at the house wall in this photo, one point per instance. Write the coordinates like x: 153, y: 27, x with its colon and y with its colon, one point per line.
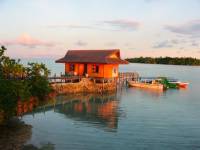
x: 105, y: 70
x: 79, y: 68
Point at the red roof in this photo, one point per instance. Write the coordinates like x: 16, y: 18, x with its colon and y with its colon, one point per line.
x: 93, y: 56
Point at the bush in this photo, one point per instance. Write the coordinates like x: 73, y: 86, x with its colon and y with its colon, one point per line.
x: 39, y: 87
x: 19, y: 83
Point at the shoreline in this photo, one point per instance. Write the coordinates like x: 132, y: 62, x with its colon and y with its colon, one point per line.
x: 165, y: 64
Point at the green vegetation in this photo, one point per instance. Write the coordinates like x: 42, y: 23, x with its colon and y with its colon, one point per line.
x: 19, y: 83
x: 166, y: 60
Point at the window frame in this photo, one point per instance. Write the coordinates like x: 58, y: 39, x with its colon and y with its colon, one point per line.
x: 115, y: 70
x: 95, y: 68
x: 71, y: 67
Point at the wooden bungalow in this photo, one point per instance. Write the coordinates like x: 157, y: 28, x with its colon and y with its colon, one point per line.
x: 92, y: 63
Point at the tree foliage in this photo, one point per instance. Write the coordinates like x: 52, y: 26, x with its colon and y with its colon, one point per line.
x: 19, y: 83
x: 166, y: 60
x: 38, y: 82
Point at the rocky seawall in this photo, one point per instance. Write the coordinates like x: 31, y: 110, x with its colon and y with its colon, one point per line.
x: 84, y: 86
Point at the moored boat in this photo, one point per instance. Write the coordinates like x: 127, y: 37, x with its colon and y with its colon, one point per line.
x: 181, y: 84
x: 158, y: 83
x: 154, y: 86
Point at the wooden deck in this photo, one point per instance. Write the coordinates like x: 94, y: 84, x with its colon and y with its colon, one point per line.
x: 121, y: 80
x: 124, y: 77
x: 63, y: 79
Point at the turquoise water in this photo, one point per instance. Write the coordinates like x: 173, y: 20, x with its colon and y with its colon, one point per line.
x: 130, y: 119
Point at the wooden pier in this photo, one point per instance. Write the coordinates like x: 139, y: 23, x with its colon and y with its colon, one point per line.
x: 64, y: 79
x: 124, y: 77
x: 78, y: 84
x: 121, y: 80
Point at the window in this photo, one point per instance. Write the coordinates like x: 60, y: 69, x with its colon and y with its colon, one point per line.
x: 95, y: 69
x: 71, y: 67
x: 114, y: 70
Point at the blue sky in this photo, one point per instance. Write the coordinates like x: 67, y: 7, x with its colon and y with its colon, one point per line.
x: 47, y: 28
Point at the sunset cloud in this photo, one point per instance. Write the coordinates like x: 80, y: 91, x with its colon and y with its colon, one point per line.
x: 145, y: 27
x: 191, y: 28
x: 27, y: 40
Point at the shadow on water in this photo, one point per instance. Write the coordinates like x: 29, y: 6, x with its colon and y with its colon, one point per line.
x: 47, y: 146
x: 14, y: 134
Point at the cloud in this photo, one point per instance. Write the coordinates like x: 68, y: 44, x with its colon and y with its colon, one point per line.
x: 175, y: 42
x: 109, y: 25
x: 191, y: 28
x: 163, y: 44
x: 111, y: 44
x: 80, y: 43
x: 194, y: 43
x: 72, y: 26
x: 127, y: 44
x: 123, y: 24
x: 182, y: 48
x: 27, y: 40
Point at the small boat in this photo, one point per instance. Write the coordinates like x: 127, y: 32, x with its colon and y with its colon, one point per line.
x: 146, y: 85
x: 183, y: 84
x: 158, y: 83
x: 180, y: 84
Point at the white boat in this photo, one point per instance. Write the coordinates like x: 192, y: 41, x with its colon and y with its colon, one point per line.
x: 153, y: 85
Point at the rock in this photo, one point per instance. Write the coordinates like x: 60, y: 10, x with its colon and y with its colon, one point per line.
x: 85, y: 85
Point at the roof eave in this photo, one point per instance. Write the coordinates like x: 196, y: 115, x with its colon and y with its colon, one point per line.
x: 122, y: 62
x: 60, y: 60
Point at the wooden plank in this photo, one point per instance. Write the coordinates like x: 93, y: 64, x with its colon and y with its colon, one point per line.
x: 122, y: 78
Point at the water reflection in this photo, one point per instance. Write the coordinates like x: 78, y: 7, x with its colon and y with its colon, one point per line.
x: 26, y: 106
x: 152, y: 120
x: 97, y: 110
x: 156, y: 94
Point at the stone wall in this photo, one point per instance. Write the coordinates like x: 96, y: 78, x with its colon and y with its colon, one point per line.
x: 84, y: 86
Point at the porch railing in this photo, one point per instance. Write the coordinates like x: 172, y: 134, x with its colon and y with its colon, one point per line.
x: 122, y: 77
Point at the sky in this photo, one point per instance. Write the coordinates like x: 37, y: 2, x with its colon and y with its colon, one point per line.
x: 48, y: 28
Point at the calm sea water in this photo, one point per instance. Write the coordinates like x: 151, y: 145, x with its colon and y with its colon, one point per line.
x: 130, y: 119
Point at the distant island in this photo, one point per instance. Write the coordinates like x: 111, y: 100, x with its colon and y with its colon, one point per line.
x: 166, y: 60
